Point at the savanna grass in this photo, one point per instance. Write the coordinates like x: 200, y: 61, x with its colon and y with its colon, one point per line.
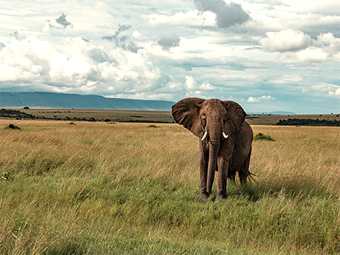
x: 95, y: 188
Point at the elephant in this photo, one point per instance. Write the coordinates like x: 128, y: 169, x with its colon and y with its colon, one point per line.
x: 225, y: 140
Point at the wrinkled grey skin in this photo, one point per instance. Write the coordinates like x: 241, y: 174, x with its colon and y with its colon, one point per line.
x: 225, y: 155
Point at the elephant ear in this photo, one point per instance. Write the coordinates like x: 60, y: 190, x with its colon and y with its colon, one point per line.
x: 186, y: 112
x: 235, y: 117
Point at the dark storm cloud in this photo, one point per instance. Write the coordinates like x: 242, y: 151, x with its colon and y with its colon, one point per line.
x: 132, y: 47
x: 168, y: 42
x: 60, y: 23
x: 227, y: 15
x: 122, y: 40
x: 117, y: 37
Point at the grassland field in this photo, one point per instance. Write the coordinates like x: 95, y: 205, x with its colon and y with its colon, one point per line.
x: 133, y: 188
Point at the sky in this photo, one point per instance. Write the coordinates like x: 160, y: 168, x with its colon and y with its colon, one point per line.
x: 267, y: 55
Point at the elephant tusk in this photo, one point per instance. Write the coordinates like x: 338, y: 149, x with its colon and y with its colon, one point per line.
x: 224, y: 135
x: 204, y: 136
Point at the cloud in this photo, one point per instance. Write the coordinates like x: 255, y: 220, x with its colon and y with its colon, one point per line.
x: 70, y: 56
x: 328, y: 6
x: 121, y: 39
x: 323, y: 88
x: 286, y: 40
x: 190, y: 83
x: 15, y: 34
x: 76, y: 66
x: 227, y: 15
x: 329, y: 42
x: 312, y: 54
x: 337, y: 57
x: 335, y: 93
x: 60, y: 22
x: 118, y: 37
x: 168, y: 42
x: 192, y: 86
x: 192, y: 18
x: 288, y: 79
x: 260, y: 99
x: 206, y: 86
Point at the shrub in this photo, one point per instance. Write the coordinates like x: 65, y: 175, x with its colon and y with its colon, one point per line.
x: 264, y: 137
x: 11, y: 126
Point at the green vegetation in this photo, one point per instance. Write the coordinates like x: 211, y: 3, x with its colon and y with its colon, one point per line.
x: 11, y: 126
x: 16, y: 114
x: 95, y: 188
x: 308, y: 122
x: 261, y: 136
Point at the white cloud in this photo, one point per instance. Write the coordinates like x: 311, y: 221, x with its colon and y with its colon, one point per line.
x: 192, y: 85
x: 337, y: 57
x: 252, y: 100
x: 206, y: 86
x: 286, y: 40
x: 329, y: 42
x: 78, y: 65
x: 325, y: 89
x: 287, y: 79
x: 260, y: 99
x: 188, y: 18
x: 312, y: 54
x: 326, y: 6
x: 335, y: 93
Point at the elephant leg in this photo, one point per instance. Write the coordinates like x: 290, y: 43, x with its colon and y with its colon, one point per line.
x: 203, y: 174
x: 231, y: 175
x: 244, y: 171
x: 222, y: 178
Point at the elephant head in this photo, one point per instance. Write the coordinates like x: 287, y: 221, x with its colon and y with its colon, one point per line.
x: 209, y: 118
x: 212, y: 121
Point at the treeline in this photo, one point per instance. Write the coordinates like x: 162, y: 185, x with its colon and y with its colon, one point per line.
x: 309, y: 122
x: 15, y: 114
x: 18, y: 115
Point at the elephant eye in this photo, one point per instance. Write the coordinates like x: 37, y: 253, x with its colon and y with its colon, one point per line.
x: 204, y: 119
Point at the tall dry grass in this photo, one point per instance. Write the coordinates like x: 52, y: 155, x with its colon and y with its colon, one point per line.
x: 99, y: 188
x: 301, y: 159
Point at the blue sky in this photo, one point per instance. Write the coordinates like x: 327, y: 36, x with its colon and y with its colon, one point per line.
x: 275, y: 55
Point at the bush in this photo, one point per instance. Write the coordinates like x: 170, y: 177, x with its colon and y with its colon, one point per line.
x: 309, y: 122
x: 264, y: 137
x: 11, y: 126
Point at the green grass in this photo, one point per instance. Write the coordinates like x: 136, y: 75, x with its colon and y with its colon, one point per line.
x: 95, y: 188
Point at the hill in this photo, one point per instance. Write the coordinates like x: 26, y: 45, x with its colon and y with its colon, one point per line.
x: 69, y: 101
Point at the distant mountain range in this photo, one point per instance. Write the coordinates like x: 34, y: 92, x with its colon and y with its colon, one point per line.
x: 69, y: 101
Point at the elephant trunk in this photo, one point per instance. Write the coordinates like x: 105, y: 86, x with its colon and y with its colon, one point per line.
x: 214, y: 148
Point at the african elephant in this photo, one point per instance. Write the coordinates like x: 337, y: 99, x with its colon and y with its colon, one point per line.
x: 225, y: 140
